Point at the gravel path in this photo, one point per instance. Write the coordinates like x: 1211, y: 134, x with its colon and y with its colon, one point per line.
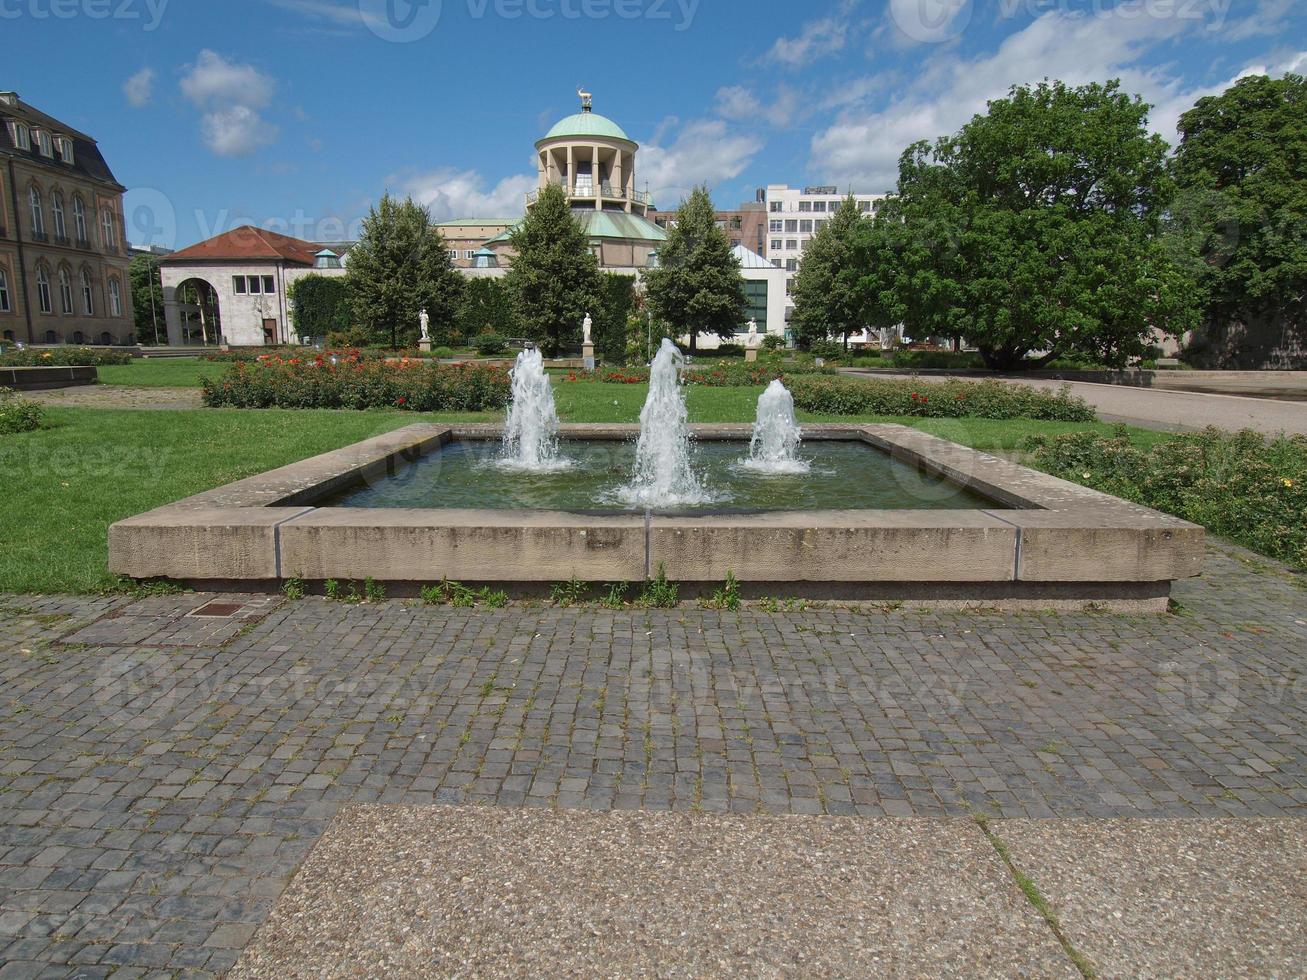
x: 1171, y: 411
x: 118, y: 396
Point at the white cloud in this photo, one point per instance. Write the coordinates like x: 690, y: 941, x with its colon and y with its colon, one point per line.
x: 451, y: 193
x: 139, y: 89
x: 230, y: 96
x: 738, y: 103
x: 864, y: 145
x: 236, y: 131
x: 344, y: 14
x: 817, y: 38
x: 705, y: 151
x: 1166, y: 114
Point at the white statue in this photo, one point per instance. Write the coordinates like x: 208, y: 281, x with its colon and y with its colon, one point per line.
x: 424, y: 321
x: 753, y: 333
x: 586, y: 326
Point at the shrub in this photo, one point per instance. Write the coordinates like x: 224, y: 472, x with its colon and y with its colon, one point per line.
x: 773, y: 341
x: 1239, y: 485
x: 355, y: 336
x: 936, y: 359
x: 947, y: 399
x: 828, y: 349
x: 62, y: 357
x: 720, y: 375
x: 489, y: 344
x: 347, y: 380
x: 18, y: 414
x: 444, y: 353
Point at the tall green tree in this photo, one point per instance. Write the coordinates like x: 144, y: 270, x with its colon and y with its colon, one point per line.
x: 554, y: 277
x: 1242, y: 214
x: 399, y: 267
x: 147, y: 299
x: 698, y: 286
x: 1035, y: 228
x: 830, y: 291
x: 486, y: 307
x: 611, y: 322
x: 321, y: 305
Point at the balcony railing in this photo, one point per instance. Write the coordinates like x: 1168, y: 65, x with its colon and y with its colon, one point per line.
x: 40, y: 236
x: 607, y: 191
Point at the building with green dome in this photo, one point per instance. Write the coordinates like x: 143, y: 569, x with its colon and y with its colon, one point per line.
x: 593, y: 159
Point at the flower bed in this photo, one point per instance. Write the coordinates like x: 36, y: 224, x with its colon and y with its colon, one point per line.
x: 948, y: 399
x: 1239, y: 485
x: 62, y: 357
x: 18, y: 414
x: 349, y: 380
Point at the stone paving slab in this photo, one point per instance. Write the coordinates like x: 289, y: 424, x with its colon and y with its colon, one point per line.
x: 476, y: 891
x: 1173, y: 898
x: 156, y: 800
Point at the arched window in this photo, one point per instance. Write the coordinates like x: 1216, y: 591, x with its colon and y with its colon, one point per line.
x: 38, y: 213
x: 79, y: 337
x: 51, y: 337
x: 79, y: 218
x: 57, y: 212
x: 106, y: 229
x: 66, y: 292
x: 8, y: 336
x: 115, y: 298
x: 4, y: 293
x: 106, y: 339
x: 88, y: 294
x: 43, y: 298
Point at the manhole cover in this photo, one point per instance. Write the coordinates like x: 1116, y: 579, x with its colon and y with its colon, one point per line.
x: 219, y: 610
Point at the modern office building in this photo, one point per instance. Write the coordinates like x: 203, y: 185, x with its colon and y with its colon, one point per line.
x: 63, y: 256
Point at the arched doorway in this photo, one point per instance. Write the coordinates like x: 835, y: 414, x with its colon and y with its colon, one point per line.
x: 198, y: 312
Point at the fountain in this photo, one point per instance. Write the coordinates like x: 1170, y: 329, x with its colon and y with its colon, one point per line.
x: 531, y: 430
x: 776, y: 434
x: 663, y: 476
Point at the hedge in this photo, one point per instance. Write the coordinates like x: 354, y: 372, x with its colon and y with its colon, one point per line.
x: 1243, y: 485
x: 947, y: 399
x: 721, y: 375
x: 62, y: 357
x: 347, y: 380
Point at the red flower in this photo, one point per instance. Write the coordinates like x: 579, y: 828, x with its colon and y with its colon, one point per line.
x: 401, y: 402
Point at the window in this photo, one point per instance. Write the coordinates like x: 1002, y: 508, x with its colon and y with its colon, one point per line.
x: 65, y: 292
x: 805, y: 226
x: 819, y: 224
x: 776, y: 207
x: 38, y: 213
x: 255, y: 284
x: 864, y: 206
x: 777, y: 244
x: 51, y: 337
x: 57, y: 212
x: 269, y: 286
x: 115, y: 298
x: 8, y: 335
x: 791, y: 265
x: 43, y: 143
x: 88, y: 295
x: 791, y: 245
x: 106, y: 229
x: 22, y: 137
x: 736, y: 222
x: 805, y: 205
x: 79, y: 337
x: 819, y: 206
x: 43, y: 297
x: 469, y: 253
x: 453, y: 255
x: 66, y: 149
x: 79, y: 219
x: 776, y: 262
x: 238, y: 285
x: 777, y: 226
x: 792, y: 227
x: 4, y: 298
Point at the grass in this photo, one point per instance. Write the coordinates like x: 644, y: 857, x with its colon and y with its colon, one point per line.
x: 164, y: 372
x: 88, y: 468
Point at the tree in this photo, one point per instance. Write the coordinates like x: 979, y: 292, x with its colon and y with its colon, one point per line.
x: 698, y: 286
x: 486, y: 307
x: 611, y: 320
x: 399, y: 267
x: 554, y: 277
x: 147, y: 299
x: 321, y: 305
x: 1242, y: 170
x: 830, y: 291
x: 1036, y: 228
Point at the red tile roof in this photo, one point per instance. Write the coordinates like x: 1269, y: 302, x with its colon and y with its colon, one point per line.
x: 247, y: 244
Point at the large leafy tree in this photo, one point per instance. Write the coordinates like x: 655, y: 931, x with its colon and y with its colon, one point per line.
x: 399, y: 267
x: 698, y: 286
x: 831, y: 290
x: 321, y: 305
x: 554, y: 277
x: 1036, y: 229
x: 147, y: 299
x: 1242, y: 213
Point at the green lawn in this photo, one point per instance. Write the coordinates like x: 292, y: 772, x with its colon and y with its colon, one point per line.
x: 164, y: 372
x: 65, y: 484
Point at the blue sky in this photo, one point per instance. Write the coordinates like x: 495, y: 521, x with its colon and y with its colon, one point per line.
x: 297, y: 114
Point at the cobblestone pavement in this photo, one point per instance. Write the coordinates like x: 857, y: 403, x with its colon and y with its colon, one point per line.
x: 163, y: 773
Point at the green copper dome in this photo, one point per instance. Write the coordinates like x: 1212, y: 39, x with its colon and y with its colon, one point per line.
x: 587, y: 124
